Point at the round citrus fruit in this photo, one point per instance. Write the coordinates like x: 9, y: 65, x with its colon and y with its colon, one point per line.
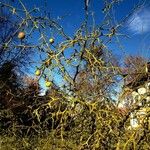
x: 48, y: 83
x: 21, y: 35
x: 51, y: 40
x: 38, y: 72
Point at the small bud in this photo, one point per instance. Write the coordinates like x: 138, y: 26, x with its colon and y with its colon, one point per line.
x: 47, y: 62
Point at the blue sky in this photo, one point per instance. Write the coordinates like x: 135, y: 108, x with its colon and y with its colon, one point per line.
x: 70, y: 14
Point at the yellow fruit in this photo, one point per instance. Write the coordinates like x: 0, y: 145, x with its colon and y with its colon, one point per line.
x: 48, y: 83
x: 38, y: 72
x: 21, y: 35
x: 51, y: 40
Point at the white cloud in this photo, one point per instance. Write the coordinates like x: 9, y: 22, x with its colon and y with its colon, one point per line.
x: 140, y: 22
